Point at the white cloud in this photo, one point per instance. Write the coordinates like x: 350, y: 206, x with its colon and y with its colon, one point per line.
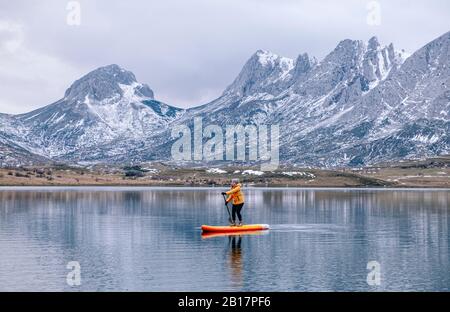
x: 27, y: 77
x: 187, y: 51
x: 11, y: 36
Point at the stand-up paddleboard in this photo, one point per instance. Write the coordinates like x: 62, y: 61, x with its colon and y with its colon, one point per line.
x: 230, y: 229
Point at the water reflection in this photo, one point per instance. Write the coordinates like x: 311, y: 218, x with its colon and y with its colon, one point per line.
x: 148, y: 239
x: 236, y: 265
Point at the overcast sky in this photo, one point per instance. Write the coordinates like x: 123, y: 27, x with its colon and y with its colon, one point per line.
x: 187, y: 51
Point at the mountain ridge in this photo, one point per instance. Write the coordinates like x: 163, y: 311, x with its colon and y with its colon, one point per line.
x: 363, y: 103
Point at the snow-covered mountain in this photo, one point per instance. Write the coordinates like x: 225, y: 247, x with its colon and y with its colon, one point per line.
x: 361, y: 104
x: 100, y: 116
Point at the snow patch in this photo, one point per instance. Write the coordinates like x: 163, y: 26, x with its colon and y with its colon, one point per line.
x: 252, y: 172
x: 266, y: 57
x: 216, y: 170
x: 426, y: 139
x: 150, y: 170
x: 299, y: 173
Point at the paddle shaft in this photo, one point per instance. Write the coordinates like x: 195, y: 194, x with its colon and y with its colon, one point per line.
x: 226, y: 205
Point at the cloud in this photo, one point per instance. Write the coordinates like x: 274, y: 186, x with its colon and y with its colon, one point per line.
x: 187, y: 51
x: 28, y: 78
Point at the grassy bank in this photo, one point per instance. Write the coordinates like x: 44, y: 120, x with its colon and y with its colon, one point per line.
x: 406, y: 174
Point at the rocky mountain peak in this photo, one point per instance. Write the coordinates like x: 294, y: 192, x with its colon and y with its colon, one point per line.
x: 260, y: 73
x: 435, y: 53
x: 303, y: 64
x: 347, y: 54
x: 265, y: 58
x: 373, y: 43
x: 105, y: 82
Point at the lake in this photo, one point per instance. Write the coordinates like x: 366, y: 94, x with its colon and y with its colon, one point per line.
x: 149, y: 239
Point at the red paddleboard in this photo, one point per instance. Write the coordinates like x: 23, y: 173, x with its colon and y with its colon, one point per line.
x: 230, y: 229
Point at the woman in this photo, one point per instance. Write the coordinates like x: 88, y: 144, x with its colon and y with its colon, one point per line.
x: 235, y: 194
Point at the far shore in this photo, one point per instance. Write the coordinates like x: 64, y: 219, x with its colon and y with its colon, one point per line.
x: 201, y: 187
x: 433, y: 173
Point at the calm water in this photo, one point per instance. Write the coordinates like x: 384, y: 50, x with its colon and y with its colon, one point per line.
x: 149, y: 239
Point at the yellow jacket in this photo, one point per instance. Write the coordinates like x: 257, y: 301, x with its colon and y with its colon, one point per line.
x: 236, y: 195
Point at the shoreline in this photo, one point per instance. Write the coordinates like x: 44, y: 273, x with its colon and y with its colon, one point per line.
x: 403, y: 176
x: 199, y: 187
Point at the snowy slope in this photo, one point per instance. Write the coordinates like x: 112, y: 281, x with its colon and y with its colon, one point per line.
x: 101, y: 115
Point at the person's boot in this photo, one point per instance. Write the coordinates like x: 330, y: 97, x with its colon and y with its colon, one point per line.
x: 240, y: 223
x: 232, y: 223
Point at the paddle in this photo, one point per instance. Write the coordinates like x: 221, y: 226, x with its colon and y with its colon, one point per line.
x: 226, y: 205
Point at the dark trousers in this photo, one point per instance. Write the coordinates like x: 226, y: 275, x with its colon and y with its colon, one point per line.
x: 236, y: 210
